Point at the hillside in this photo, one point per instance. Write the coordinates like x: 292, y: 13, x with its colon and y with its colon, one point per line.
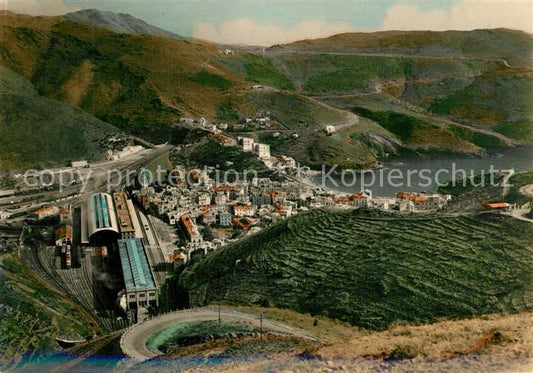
x: 36, y: 131
x: 142, y: 83
x: 372, y: 269
x: 122, y: 23
x: 482, y: 78
x: 483, y: 44
x: 135, y: 81
x: 131, y: 81
x: 28, y: 304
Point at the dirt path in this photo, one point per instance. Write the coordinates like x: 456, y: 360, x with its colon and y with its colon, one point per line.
x: 133, y: 341
x: 273, y: 53
x: 377, y: 88
x: 527, y: 190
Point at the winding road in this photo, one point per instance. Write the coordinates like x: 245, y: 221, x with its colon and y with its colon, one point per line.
x: 133, y: 341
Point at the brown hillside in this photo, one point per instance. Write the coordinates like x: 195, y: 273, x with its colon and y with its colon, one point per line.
x: 149, y: 78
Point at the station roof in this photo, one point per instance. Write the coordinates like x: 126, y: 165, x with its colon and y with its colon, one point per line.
x: 123, y: 211
x: 100, y: 207
x: 135, y: 268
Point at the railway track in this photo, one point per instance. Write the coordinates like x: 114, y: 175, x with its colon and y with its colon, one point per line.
x: 75, y: 283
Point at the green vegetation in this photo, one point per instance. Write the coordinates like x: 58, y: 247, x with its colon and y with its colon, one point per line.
x: 274, y: 142
x: 494, y: 98
x: 227, y: 112
x: 211, y: 80
x: 401, y: 125
x: 517, y: 181
x: 423, y: 135
x: 175, y: 134
x: 32, y: 315
x: 339, y: 149
x: 519, y: 130
x: 294, y: 111
x: 36, y: 131
x: 93, y: 75
x: 261, y: 70
x: 191, y: 333
x: 130, y: 81
x: 64, y: 54
x: 212, y: 153
x: 257, y: 69
x: 477, y: 138
x: 372, y: 269
x: 340, y: 73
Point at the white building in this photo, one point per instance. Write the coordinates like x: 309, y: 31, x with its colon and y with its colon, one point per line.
x: 262, y: 150
x: 220, y: 198
x: 78, y: 164
x: 244, y: 210
x: 406, y: 205
x: 330, y: 130
x: 128, y: 150
x: 246, y: 143
x: 204, y: 199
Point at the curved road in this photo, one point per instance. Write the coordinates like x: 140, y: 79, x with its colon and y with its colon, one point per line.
x: 133, y: 341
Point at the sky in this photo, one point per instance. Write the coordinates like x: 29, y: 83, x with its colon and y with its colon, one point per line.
x: 267, y: 22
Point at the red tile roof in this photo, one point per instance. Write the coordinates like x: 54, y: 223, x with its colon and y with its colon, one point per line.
x: 45, y: 210
x: 498, y: 205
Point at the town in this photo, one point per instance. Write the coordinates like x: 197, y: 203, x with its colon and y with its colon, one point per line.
x: 148, y: 229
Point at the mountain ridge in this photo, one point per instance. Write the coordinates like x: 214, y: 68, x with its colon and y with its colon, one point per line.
x: 119, y: 22
x: 143, y: 84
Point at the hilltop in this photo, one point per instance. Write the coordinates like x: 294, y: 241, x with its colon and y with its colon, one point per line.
x: 483, y: 44
x: 482, y: 78
x: 372, y: 269
x: 119, y: 22
x: 132, y: 81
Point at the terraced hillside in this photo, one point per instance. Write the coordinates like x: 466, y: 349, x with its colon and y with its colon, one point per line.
x: 372, y: 269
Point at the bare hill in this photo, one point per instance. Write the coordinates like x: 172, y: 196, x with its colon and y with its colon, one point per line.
x: 119, y: 22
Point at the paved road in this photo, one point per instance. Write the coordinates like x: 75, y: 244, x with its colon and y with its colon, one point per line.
x: 133, y: 341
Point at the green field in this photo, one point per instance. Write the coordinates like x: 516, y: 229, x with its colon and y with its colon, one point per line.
x: 261, y: 70
x: 372, y: 269
x: 346, y: 73
x: 257, y: 69
x: 211, y: 80
x: 519, y: 130
x: 493, y: 98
